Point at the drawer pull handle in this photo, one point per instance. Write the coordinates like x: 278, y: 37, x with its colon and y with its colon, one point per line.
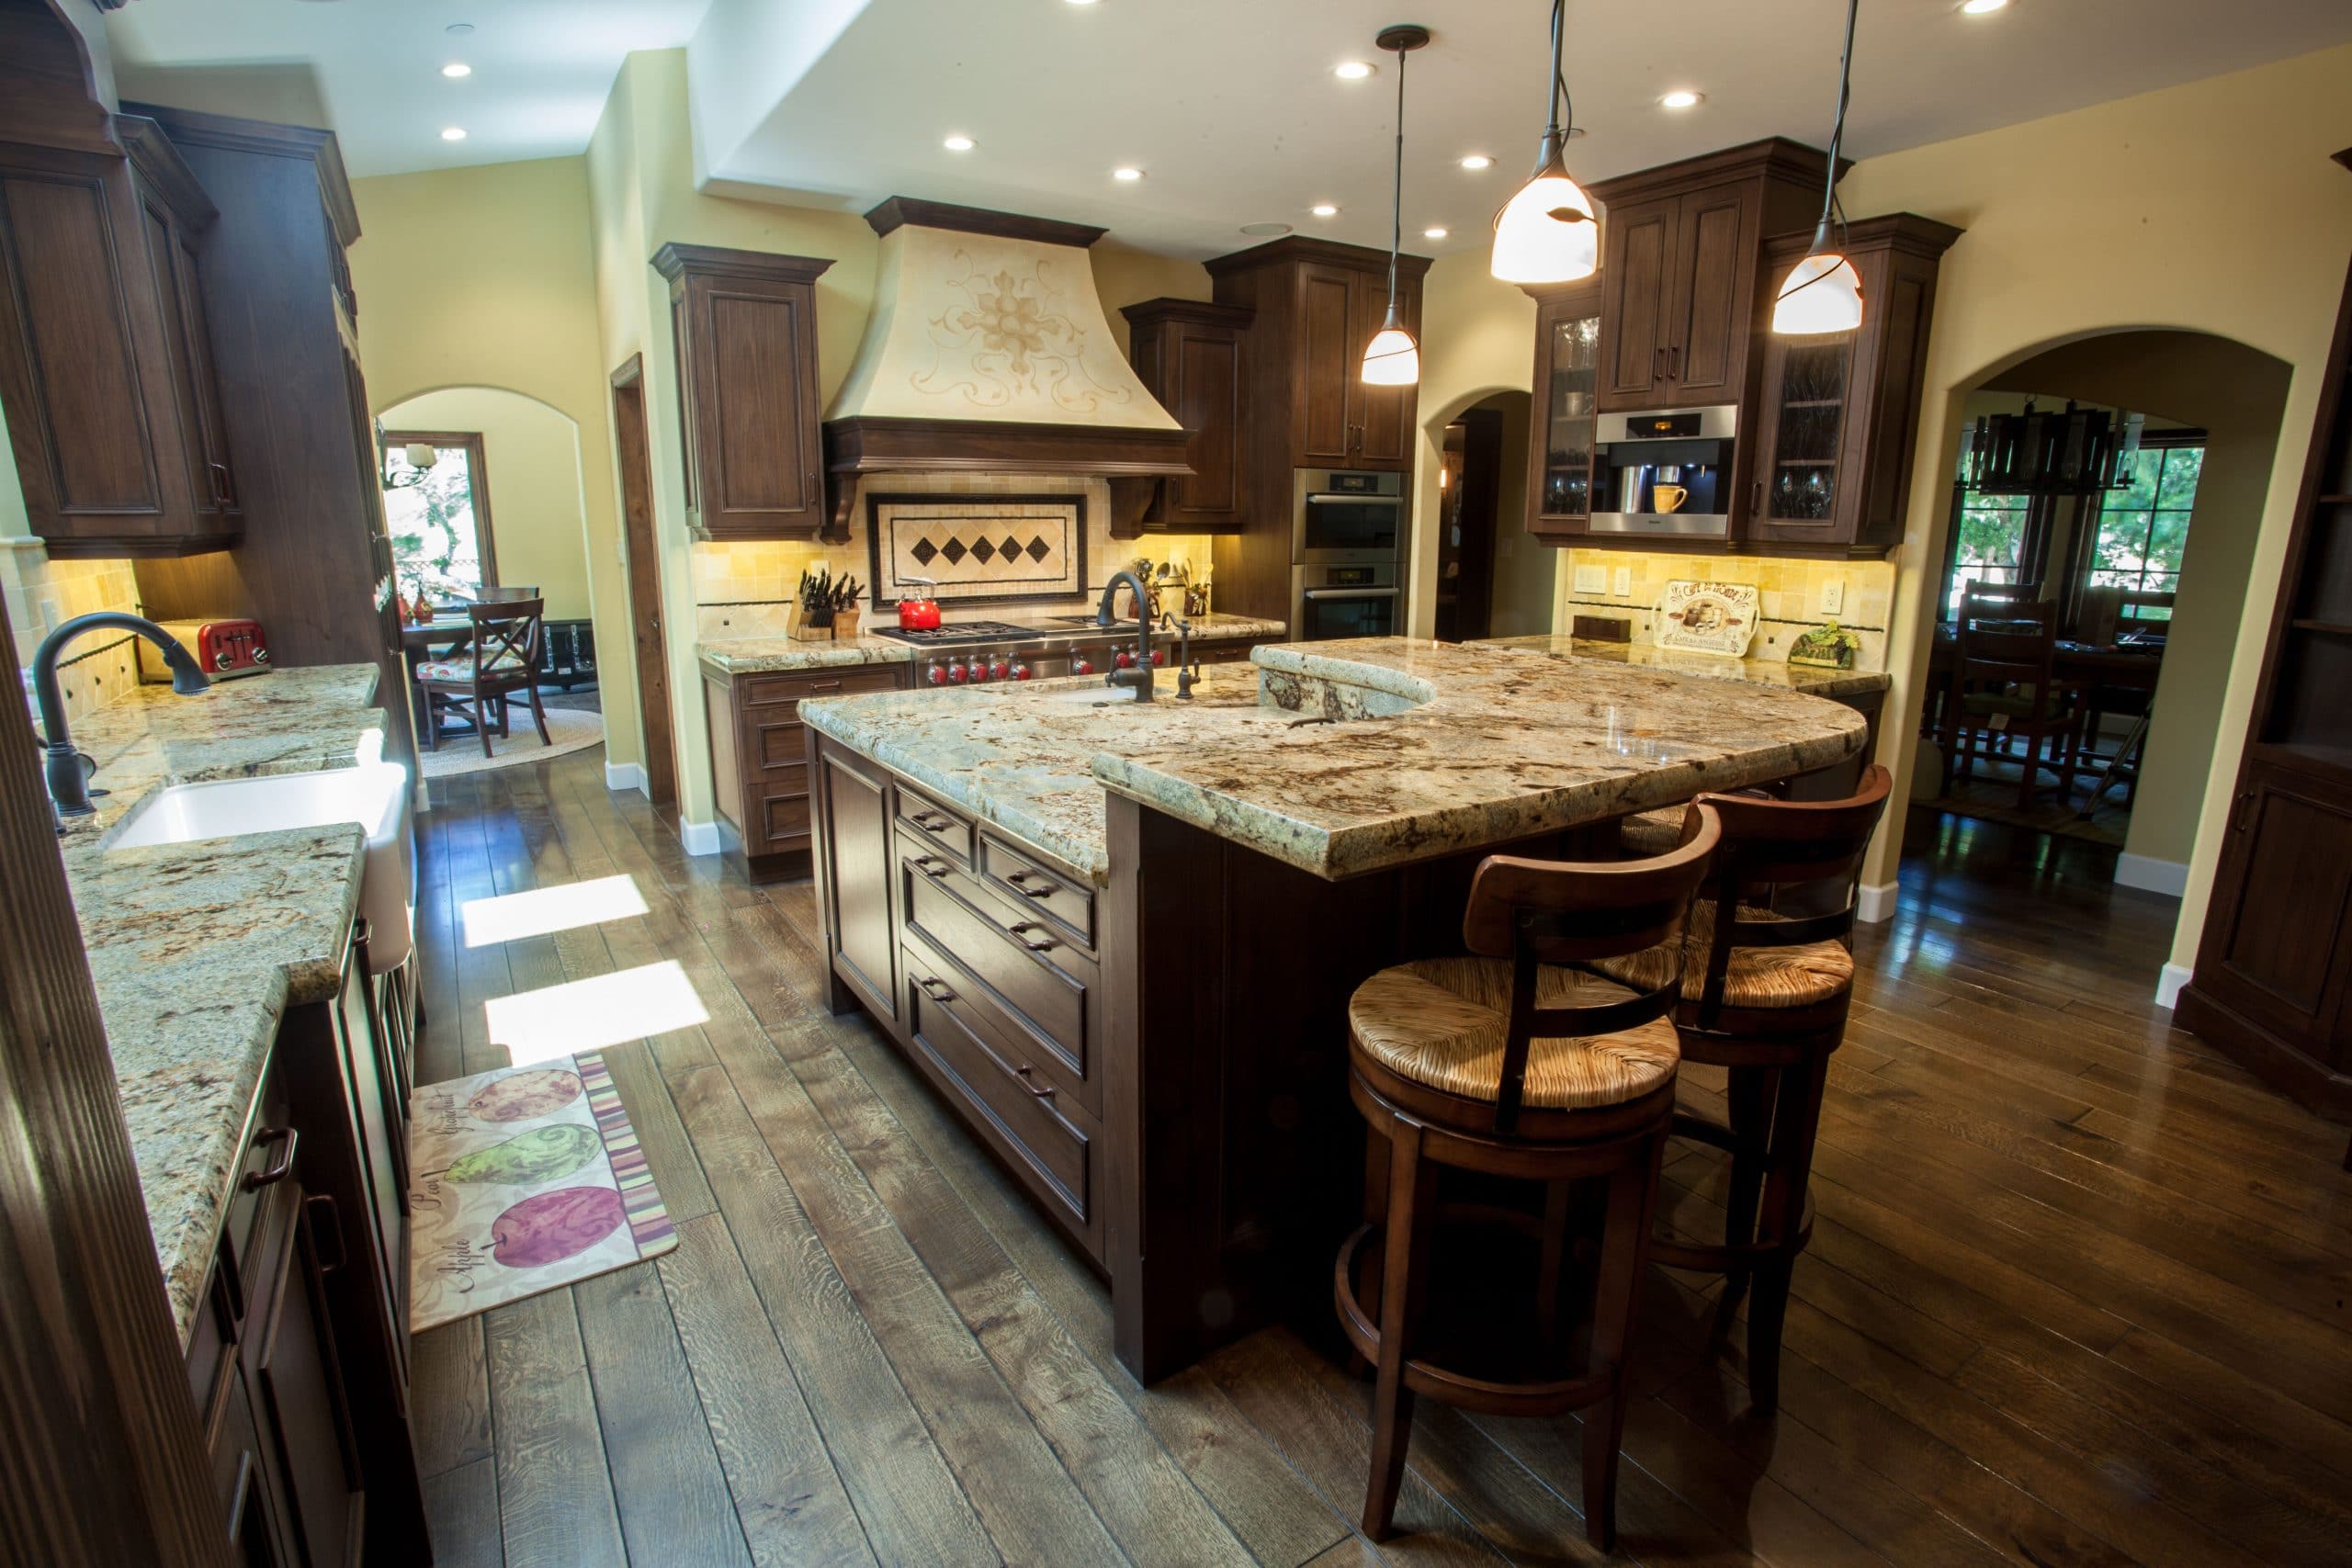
x: 929, y: 865
x: 1038, y: 946
x: 313, y: 1208
x: 933, y: 989
x: 1028, y: 1076
x: 1021, y: 880
x: 824, y: 686
x: 932, y: 821
x: 290, y: 1139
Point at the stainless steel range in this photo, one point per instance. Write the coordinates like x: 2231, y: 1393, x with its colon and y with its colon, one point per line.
x: 965, y: 653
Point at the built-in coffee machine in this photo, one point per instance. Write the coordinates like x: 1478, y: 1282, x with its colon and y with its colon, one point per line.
x: 1666, y: 472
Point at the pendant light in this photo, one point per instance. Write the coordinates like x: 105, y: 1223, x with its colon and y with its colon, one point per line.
x: 1823, y: 293
x: 1392, y: 358
x: 1546, y: 233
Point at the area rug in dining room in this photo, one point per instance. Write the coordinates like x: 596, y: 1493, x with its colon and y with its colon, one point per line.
x: 569, y: 729
x: 521, y: 1179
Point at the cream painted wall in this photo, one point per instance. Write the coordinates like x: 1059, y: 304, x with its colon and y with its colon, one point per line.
x: 538, y: 508
x: 485, y: 278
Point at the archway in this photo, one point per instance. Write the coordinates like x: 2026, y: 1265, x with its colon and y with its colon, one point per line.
x: 1423, y: 553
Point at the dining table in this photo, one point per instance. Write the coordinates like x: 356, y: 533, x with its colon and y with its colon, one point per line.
x: 2130, y: 664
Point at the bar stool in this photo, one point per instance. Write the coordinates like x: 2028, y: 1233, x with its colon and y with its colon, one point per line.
x: 1766, y: 997
x: 1522, y: 1062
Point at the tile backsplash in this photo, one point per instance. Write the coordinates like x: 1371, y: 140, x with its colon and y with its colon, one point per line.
x: 43, y: 593
x: 1788, y: 594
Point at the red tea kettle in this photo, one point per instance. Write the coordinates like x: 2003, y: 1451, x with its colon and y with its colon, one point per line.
x: 920, y: 613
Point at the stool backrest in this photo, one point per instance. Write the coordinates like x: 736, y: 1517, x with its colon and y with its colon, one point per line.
x: 1781, y: 845
x: 1537, y: 912
x: 506, y: 635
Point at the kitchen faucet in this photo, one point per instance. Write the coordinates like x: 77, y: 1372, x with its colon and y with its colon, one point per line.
x: 1139, y: 677
x: 69, y: 780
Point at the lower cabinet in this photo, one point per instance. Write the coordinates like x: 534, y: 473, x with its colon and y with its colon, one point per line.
x: 758, y: 757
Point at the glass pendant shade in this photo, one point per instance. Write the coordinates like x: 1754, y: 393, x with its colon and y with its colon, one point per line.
x: 1392, y: 358
x: 1823, y: 293
x: 1533, y: 247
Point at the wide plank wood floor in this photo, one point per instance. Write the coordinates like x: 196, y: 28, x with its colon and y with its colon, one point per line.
x: 2075, y: 1294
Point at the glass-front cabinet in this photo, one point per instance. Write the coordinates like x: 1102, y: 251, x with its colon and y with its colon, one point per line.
x: 1568, y: 365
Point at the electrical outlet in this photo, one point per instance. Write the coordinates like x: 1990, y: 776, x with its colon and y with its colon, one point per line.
x: 1589, y: 578
x: 1624, y: 582
x: 1833, y: 594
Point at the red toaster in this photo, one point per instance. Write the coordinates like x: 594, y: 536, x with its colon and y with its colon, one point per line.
x: 222, y: 649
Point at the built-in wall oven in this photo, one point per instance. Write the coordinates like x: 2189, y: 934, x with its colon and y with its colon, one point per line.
x: 1347, y: 539
x: 1666, y: 473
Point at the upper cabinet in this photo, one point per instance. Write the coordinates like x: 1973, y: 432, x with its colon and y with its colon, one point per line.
x: 1316, y: 307
x: 1836, y: 415
x: 1191, y: 356
x: 1682, y: 269
x: 744, y: 323
x: 1568, y: 374
x: 107, y: 375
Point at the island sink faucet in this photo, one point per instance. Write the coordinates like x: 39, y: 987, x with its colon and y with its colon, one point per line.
x: 1139, y: 677
x: 69, y: 782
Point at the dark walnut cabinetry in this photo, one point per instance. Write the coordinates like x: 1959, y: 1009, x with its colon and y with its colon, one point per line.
x: 1191, y: 356
x: 759, y: 759
x: 2273, y: 984
x: 107, y: 374
x: 1559, y: 448
x: 299, y: 1358
x: 744, y: 327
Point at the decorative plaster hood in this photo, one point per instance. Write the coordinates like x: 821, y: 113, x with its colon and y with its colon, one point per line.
x: 987, y: 353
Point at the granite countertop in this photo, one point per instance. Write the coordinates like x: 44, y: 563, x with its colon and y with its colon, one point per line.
x: 1429, y: 748
x: 1811, y: 679
x: 760, y: 655
x: 196, y: 951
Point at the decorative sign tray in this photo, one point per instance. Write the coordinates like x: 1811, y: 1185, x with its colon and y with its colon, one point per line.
x: 1708, y: 617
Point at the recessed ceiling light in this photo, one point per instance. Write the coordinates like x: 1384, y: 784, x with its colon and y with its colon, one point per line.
x: 1126, y: 172
x: 1477, y: 161
x: 1682, y: 99
x: 458, y: 29
x: 456, y: 69
x: 1352, y: 70
x: 1082, y: 2
x: 1982, y: 7
x: 1432, y: 233
x: 1324, y: 209
x: 958, y: 144
x: 454, y: 134
x: 1265, y: 230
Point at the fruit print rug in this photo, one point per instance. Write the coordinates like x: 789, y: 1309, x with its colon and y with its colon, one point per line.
x: 520, y: 1181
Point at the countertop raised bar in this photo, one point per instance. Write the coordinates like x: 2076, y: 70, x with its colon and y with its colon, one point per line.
x: 1119, y: 940
x: 760, y: 655
x: 1813, y: 679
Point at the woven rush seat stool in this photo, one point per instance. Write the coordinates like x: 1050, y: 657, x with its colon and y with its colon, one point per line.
x: 1521, y: 1061
x: 1764, y: 997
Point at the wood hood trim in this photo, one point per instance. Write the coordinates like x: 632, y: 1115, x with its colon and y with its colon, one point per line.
x: 1133, y: 460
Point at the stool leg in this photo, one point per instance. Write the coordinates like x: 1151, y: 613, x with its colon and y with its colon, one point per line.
x: 1749, y: 1096
x: 1633, y: 1193
x: 1375, y: 1212
x: 1404, y: 1262
x: 1795, y: 1120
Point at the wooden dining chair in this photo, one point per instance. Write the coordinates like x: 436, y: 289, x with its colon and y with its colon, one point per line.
x: 477, y: 681
x: 503, y: 592
x: 2005, y: 685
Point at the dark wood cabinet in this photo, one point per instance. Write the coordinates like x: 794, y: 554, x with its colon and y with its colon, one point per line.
x: 1569, y: 354
x: 106, y: 371
x: 858, y: 853
x: 1191, y: 355
x: 743, y: 325
x: 2273, y: 981
x: 1837, y: 416
x: 759, y: 757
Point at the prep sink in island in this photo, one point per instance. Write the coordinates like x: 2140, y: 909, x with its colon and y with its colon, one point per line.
x: 1120, y: 937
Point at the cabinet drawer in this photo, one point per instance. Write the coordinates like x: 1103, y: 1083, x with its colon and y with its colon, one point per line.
x: 1034, y: 980
x: 783, y: 817
x: 947, y: 831
x: 1065, y: 905
x: 785, y: 690
x: 778, y: 754
x: 1050, y: 1144
x: 1222, y: 652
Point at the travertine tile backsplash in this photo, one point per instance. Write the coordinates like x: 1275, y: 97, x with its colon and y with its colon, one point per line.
x: 1789, y: 593
x: 44, y: 593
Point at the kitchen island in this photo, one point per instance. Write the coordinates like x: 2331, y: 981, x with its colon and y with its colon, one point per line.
x: 1119, y: 938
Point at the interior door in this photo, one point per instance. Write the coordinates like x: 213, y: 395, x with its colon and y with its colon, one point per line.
x: 1711, y: 285
x: 644, y: 582
x: 1384, y: 414
x: 1327, y: 350
x: 1637, y: 247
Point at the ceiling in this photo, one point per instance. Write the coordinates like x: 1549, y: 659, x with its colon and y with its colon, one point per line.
x: 1229, y: 106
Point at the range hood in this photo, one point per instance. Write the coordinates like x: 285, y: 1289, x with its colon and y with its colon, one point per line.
x: 987, y: 353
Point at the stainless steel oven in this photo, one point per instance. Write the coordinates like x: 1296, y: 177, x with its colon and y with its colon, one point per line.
x: 1666, y: 472
x: 1328, y: 602
x: 1343, y: 517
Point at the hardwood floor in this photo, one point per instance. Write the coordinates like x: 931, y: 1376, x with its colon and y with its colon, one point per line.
x: 2075, y: 1293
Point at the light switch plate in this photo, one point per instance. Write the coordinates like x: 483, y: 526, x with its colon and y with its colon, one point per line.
x: 1625, y: 581
x: 1589, y: 578
x: 1833, y: 594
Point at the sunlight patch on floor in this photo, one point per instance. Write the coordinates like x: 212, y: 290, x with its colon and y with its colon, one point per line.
x: 587, y: 1015
x: 541, y: 912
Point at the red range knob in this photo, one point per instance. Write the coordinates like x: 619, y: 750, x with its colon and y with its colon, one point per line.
x: 1020, y: 671
x: 999, y: 668
x: 1126, y: 659
x: 935, y: 674
x: 1082, y: 667
x: 955, y: 672
x: 1159, y: 657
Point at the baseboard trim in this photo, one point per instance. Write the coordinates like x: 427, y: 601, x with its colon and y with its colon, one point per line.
x: 1875, y: 905
x: 699, y: 837
x: 625, y: 775
x: 2169, y: 877
x: 2169, y: 980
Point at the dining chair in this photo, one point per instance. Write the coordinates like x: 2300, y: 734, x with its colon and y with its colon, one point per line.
x: 476, y: 682
x: 2005, y: 685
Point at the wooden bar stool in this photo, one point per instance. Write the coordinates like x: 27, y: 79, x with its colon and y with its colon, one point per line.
x: 1766, y: 997
x: 1520, y: 1061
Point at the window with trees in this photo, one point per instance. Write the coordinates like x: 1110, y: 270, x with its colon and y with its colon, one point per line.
x: 2143, y: 528
x: 438, y: 512
x: 1994, y: 542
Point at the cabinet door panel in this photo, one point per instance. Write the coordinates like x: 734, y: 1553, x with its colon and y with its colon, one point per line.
x: 1568, y: 359
x: 1205, y: 365
x: 1711, y: 289
x: 297, y: 1397
x: 858, y: 874
x: 1638, y: 247
x: 1327, y: 383
x: 2287, y: 881
x: 757, y: 415
x: 1385, y: 417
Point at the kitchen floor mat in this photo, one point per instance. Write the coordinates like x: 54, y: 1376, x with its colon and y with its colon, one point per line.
x: 521, y: 1179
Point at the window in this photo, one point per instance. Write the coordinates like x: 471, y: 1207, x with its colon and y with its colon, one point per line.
x: 2143, y: 522
x: 438, y: 514
x: 1993, y: 543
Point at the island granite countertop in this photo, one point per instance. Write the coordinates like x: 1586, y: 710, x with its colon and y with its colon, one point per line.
x: 1812, y: 679
x: 195, y: 951
x: 764, y: 655
x: 1345, y: 757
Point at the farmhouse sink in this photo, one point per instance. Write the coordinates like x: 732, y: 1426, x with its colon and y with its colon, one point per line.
x: 374, y: 797
x: 1091, y: 697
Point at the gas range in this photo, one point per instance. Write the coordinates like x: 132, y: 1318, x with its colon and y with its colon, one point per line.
x: 958, y: 633
x: 971, y: 653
